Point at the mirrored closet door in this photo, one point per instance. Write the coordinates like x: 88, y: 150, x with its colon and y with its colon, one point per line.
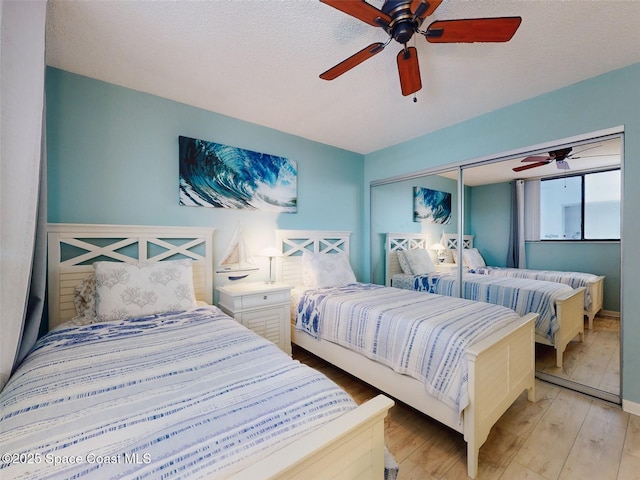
x: 572, y: 224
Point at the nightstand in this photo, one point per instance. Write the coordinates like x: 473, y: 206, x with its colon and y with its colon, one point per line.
x: 262, y: 307
x: 446, y: 267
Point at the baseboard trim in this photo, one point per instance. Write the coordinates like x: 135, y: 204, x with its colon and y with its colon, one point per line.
x: 609, y: 313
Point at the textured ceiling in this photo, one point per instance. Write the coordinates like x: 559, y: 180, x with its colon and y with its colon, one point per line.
x: 259, y: 60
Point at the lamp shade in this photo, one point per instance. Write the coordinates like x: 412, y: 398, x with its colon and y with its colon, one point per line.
x: 437, y: 247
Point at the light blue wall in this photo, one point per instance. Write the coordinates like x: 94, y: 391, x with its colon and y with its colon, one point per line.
x: 113, y: 158
x: 599, y: 103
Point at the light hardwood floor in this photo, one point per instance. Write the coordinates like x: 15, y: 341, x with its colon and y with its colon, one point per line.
x: 594, y: 362
x: 564, y: 435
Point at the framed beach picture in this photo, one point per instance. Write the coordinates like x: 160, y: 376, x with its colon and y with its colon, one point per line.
x: 220, y: 176
x: 431, y: 206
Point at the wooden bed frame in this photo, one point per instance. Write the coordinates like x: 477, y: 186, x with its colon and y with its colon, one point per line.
x: 501, y: 366
x: 350, y: 447
x: 595, y: 288
x: 569, y: 307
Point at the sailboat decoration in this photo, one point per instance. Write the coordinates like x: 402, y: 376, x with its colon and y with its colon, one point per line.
x: 237, y: 262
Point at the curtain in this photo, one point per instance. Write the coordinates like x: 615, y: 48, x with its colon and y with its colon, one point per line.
x: 516, y: 257
x: 22, y: 70
x: 532, y: 210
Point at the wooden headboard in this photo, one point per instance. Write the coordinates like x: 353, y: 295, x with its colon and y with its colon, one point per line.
x: 73, y: 248
x: 397, y: 242
x: 293, y: 243
x: 451, y: 241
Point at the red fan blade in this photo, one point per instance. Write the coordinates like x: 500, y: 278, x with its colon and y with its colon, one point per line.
x: 352, y: 61
x: 473, y: 30
x: 360, y: 10
x: 531, y: 165
x: 409, y: 71
x: 428, y: 10
x: 537, y: 159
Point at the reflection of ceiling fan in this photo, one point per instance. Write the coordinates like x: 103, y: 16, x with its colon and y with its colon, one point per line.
x: 401, y: 19
x: 560, y: 156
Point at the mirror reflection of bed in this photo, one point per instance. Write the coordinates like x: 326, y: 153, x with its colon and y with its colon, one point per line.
x: 592, y: 366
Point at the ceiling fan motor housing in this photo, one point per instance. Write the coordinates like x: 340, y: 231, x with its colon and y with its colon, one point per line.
x: 403, y: 22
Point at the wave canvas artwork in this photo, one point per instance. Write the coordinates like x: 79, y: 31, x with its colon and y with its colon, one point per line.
x: 221, y: 176
x: 431, y: 206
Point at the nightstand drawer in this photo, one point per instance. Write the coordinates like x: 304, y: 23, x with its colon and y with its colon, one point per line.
x: 263, y: 299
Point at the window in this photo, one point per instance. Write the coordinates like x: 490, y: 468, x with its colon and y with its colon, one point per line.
x: 581, y: 207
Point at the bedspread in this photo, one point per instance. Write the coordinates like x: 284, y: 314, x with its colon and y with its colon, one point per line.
x: 416, y: 334
x: 165, y: 396
x: 520, y: 295
x: 573, y: 279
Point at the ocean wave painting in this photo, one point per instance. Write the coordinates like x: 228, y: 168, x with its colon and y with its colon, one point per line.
x: 431, y: 206
x: 220, y: 176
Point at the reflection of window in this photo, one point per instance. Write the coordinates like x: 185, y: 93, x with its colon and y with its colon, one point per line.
x: 581, y: 207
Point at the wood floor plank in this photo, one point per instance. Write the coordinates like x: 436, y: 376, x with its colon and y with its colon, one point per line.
x: 546, y: 449
x: 597, y: 450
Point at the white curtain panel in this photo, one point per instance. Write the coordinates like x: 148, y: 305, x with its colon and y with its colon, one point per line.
x: 532, y: 210
x: 22, y: 69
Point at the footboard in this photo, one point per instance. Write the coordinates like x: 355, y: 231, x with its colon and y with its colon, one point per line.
x: 350, y: 447
x: 501, y: 367
x: 570, y: 312
x: 596, y: 293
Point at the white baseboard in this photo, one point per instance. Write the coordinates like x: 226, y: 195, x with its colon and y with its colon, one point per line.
x: 631, y: 407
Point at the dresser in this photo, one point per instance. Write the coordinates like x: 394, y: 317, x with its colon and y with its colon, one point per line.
x: 262, y: 307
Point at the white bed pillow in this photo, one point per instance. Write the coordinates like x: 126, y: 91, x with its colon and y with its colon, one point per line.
x: 419, y: 261
x: 472, y: 258
x: 125, y: 290
x: 320, y: 270
x: 404, y: 264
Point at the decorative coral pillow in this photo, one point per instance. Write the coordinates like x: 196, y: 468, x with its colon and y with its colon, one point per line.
x: 125, y: 291
x: 321, y: 270
x: 404, y: 264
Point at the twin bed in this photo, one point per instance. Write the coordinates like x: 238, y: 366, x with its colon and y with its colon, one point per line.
x: 593, y: 284
x: 560, y: 306
x: 166, y: 386
x: 460, y: 362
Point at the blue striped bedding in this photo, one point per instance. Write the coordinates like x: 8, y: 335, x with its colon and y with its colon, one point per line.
x: 192, y: 395
x: 573, y: 279
x: 520, y: 295
x: 421, y: 335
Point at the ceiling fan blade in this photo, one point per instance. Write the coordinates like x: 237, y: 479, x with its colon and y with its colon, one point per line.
x: 409, y: 71
x: 499, y: 29
x: 352, y: 61
x: 573, y: 154
x: 360, y: 10
x: 422, y: 8
x: 531, y: 165
x: 537, y: 159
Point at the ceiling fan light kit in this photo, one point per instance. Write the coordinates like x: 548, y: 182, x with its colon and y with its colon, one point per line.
x: 401, y: 19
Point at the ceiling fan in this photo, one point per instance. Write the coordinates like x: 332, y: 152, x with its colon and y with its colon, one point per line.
x: 559, y: 156
x: 401, y: 19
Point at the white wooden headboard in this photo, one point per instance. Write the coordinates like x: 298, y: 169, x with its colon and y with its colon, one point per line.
x: 401, y: 241
x: 73, y: 248
x: 293, y: 243
x: 451, y: 241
